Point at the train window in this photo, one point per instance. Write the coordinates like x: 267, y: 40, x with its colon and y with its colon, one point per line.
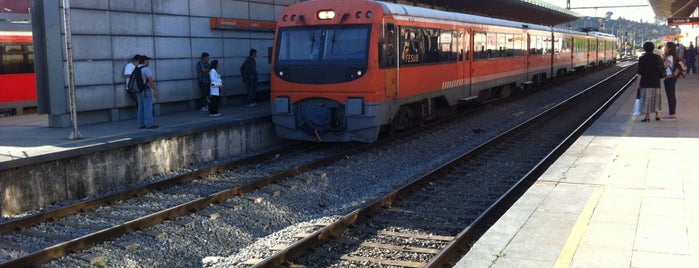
x: 537, y: 45
x: 465, y: 50
x: 491, y: 46
x: 427, y: 45
x: 387, y: 46
x: 431, y: 42
x: 16, y: 58
x: 411, y: 45
x: 446, y: 45
x: 328, y: 45
x: 565, y: 44
x: 518, y: 46
x: 479, y: 41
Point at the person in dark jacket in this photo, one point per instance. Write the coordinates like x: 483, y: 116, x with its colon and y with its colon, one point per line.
x: 251, y: 72
x: 650, y: 71
x: 690, y: 58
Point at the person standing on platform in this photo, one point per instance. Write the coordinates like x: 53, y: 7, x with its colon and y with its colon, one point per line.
x: 691, y: 58
x: 204, y: 81
x: 650, y: 71
x: 251, y: 72
x: 215, y: 89
x: 128, y: 69
x: 144, y: 117
x: 670, y: 81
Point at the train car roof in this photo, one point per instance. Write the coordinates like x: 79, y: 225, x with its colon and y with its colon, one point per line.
x: 426, y: 13
x: 529, y: 11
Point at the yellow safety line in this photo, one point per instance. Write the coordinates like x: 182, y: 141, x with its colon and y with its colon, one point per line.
x: 579, y: 229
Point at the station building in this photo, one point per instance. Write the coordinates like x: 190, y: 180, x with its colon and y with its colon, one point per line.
x: 106, y: 34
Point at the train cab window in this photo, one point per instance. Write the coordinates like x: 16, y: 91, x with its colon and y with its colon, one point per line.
x: 329, y: 45
x: 345, y: 44
x: 16, y: 58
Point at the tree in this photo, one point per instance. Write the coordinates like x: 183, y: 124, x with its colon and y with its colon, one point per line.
x: 608, y: 15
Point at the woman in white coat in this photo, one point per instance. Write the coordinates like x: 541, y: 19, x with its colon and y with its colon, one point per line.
x: 215, y: 89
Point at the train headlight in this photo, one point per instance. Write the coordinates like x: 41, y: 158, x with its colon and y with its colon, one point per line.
x: 281, y: 105
x: 355, y: 106
x: 359, y: 73
x: 326, y: 15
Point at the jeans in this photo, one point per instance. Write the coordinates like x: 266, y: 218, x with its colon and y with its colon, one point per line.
x: 213, y: 104
x: 670, y: 92
x: 204, y: 94
x: 252, y: 87
x: 145, y: 108
x: 691, y: 66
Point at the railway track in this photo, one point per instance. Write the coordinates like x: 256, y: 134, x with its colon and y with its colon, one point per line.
x: 73, y: 228
x: 78, y: 226
x: 431, y: 221
x: 58, y: 232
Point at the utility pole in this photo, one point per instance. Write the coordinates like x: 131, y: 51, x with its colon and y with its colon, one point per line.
x: 75, y: 134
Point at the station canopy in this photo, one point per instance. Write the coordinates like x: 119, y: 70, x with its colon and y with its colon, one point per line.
x: 674, y: 8
x: 530, y: 11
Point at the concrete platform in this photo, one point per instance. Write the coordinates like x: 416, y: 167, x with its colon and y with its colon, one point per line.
x: 41, y: 165
x: 625, y: 194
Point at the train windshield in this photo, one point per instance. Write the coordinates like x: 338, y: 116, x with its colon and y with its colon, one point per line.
x: 323, y: 46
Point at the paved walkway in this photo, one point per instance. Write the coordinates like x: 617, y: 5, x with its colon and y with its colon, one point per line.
x: 25, y: 139
x: 625, y: 194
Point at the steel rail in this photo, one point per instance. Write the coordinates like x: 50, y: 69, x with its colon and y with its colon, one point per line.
x: 297, y: 249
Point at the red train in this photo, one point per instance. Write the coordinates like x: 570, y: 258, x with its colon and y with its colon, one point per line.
x: 17, y: 72
x: 347, y: 70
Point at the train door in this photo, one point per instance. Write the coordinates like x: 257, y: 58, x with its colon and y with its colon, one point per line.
x: 389, y: 59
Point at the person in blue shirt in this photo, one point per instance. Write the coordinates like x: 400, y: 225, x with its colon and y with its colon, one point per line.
x: 144, y: 117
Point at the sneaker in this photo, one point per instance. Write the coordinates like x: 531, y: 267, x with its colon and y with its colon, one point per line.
x: 152, y: 127
x: 204, y: 109
x: 218, y: 114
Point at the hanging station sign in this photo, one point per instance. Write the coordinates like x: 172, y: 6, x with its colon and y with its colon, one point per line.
x: 242, y: 25
x: 682, y: 21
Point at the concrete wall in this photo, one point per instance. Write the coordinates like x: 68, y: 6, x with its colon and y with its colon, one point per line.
x: 107, y: 33
x: 125, y: 162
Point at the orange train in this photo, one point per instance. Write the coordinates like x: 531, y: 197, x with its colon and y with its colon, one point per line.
x: 347, y: 70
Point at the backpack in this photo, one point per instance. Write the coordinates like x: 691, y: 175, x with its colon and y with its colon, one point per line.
x: 679, y: 70
x: 243, y: 72
x: 136, y: 83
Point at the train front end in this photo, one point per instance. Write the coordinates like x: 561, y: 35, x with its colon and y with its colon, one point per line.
x: 326, y: 85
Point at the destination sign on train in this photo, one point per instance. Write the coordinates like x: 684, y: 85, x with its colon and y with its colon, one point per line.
x: 682, y: 21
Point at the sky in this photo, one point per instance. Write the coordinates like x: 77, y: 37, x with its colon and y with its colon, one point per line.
x: 630, y: 13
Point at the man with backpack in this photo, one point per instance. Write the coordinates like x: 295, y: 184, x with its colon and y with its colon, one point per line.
x: 128, y: 69
x: 250, y: 77
x: 147, y: 91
